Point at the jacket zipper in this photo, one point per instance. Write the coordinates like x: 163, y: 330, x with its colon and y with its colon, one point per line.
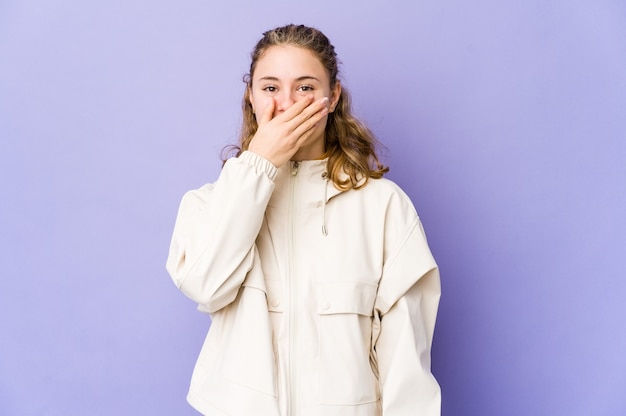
x: 293, y: 293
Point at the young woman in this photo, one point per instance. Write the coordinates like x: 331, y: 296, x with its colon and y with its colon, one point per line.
x: 322, y: 290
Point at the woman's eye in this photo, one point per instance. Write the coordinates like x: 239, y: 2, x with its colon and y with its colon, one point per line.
x: 270, y: 88
x: 305, y: 88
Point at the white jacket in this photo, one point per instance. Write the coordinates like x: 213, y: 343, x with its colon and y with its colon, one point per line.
x: 323, y: 302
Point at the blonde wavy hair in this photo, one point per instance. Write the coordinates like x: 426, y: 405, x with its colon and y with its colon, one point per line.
x: 350, y: 146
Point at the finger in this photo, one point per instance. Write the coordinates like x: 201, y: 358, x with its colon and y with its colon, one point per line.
x: 308, y: 125
x: 311, y: 114
x: 268, y: 112
x: 296, y: 109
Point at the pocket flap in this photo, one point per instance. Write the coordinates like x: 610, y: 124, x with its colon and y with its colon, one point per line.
x: 346, y: 297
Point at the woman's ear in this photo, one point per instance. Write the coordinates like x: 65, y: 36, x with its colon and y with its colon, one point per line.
x: 334, y: 96
x: 249, y: 97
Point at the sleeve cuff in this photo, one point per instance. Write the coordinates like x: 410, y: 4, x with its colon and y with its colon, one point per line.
x: 260, y: 163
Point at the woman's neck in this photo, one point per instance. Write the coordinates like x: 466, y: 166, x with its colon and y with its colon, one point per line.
x: 315, y: 151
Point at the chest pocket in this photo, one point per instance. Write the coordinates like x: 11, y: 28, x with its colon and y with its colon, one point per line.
x: 345, y: 312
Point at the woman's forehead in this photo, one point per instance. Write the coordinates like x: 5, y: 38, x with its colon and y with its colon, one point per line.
x: 286, y: 62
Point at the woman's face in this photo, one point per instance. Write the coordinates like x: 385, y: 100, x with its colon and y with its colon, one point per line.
x: 287, y: 74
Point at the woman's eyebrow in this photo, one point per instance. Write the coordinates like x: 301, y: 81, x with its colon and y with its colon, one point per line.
x: 307, y: 77
x: 302, y: 78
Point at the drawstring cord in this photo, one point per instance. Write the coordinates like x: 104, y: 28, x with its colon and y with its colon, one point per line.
x: 324, y: 231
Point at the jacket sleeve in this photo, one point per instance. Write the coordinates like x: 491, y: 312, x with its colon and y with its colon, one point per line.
x: 212, y: 247
x: 404, y: 319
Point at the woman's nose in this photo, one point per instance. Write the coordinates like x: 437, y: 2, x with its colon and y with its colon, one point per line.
x: 284, y: 101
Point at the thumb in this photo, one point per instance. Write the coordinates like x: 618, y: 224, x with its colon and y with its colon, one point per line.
x: 268, y: 112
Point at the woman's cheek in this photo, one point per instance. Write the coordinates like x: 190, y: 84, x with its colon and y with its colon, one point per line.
x: 321, y: 125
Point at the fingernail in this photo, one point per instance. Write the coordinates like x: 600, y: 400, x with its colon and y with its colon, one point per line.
x: 324, y: 100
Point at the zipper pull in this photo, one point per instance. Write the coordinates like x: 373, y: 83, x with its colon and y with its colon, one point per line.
x: 294, y: 168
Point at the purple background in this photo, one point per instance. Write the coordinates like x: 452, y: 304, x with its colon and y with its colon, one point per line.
x: 505, y: 121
